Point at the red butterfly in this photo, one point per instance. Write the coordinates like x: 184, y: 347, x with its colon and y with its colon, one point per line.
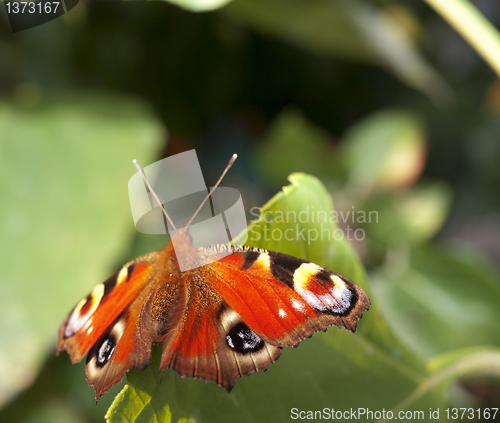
x: 217, y: 322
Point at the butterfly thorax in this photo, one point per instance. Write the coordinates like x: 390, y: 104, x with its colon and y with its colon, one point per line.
x: 187, y: 288
x: 180, y: 255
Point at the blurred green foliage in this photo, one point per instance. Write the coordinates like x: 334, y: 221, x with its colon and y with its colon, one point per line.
x: 380, y: 100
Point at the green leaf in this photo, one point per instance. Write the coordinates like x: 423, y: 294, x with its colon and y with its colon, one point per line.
x: 199, y: 5
x: 352, y: 30
x: 336, y: 369
x: 384, y: 151
x: 64, y: 166
x: 409, y: 218
x: 319, y: 26
x: 444, y: 299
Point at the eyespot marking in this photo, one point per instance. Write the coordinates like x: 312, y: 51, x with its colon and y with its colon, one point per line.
x: 107, y: 347
x: 244, y: 340
x: 334, y: 297
x: 83, y: 311
x: 338, y: 281
x: 105, y: 351
x: 303, y: 275
x: 344, y: 299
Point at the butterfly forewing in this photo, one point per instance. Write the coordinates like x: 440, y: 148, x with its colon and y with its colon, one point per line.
x: 87, y: 321
x: 101, y: 319
x: 285, y: 299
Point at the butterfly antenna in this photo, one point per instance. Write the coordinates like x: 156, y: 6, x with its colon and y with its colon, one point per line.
x: 231, y: 161
x: 151, y: 190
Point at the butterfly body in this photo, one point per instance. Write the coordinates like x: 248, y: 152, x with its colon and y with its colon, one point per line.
x: 217, y: 322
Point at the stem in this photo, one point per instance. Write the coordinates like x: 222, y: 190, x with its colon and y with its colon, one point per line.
x: 473, y: 26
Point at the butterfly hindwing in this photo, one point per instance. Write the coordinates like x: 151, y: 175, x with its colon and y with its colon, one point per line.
x: 126, y: 343
x: 213, y: 342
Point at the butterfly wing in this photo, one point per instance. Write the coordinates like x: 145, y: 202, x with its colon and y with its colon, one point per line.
x: 285, y: 299
x: 107, y: 323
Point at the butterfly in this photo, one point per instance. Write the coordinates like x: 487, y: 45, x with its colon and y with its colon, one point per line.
x: 217, y: 322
